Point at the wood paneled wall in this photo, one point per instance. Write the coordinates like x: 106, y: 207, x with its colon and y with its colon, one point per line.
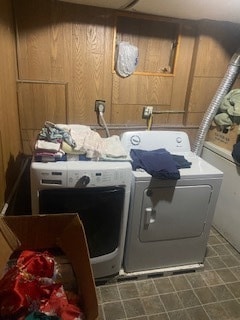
x: 10, y: 144
x: 215, y: 45
x: 69, y: 47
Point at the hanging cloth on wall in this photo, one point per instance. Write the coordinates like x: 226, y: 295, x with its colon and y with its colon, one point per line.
x: 126, y: 59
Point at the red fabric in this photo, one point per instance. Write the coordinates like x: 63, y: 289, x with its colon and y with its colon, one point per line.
x: 29, y: 286
x: 21, y: 286
x: 37, y: 264
x: 59, y: 305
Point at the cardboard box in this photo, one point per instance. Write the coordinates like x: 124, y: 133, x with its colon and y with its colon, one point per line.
x: 64, y: 231
x: 223, y: 139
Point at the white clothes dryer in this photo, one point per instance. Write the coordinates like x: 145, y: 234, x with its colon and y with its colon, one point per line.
x: 169, y: 220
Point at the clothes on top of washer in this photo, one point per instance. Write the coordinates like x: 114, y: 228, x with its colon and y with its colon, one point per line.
x: 55, y: 141
x: 94, y: 146
x: 53, y: 133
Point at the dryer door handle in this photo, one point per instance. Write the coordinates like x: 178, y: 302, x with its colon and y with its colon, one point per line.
x: 150, y: 217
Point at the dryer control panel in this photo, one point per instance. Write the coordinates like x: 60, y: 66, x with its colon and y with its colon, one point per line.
x: 172, y: 141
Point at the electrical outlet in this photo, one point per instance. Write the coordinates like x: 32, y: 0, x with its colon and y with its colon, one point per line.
x: 147, y: 112
x: 100, y: 106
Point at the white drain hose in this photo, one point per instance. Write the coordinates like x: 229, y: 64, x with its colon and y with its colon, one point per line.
x: 223, y: 89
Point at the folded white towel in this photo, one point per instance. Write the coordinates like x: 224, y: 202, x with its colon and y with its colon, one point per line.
x: 48, y: 146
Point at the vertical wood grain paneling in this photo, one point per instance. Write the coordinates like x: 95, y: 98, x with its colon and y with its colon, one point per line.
x: 215, y: 47
x: 2, y: 175
x: 91, y: 58
x: 155, y: 40
x: 217, y: 43
x: 34, y: 34
x: 142, y: 90
x: 70, y: 43
x: 9, y: 125
x: 164, y: 92
x: 202, y: 93
x: 183, y: 66
x: 39, y: 102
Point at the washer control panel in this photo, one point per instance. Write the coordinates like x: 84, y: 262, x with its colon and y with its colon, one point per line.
x: 94, y: 178
x: 80, y: 174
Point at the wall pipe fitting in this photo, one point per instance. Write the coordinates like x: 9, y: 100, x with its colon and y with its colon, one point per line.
x: 225, y: 86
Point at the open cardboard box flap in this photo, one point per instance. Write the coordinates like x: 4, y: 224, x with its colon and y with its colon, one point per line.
x: 49, y: 231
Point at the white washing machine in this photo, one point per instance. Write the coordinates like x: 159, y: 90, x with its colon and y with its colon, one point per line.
x: 169, y: 220
x: 99, y: 191
x: 227, y: 216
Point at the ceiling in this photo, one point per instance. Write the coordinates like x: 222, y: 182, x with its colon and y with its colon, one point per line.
x: 221, y: 10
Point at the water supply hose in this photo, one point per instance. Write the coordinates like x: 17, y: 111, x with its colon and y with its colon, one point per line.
x: 225, y: 86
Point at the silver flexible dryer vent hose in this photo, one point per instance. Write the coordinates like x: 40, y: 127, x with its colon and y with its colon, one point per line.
x: 225, y: 86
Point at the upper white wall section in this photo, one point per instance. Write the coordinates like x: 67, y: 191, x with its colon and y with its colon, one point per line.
x: 222, y: 10
x: 113, y: 4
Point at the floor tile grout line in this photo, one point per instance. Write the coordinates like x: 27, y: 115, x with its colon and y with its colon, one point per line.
x: 222, y: 274
x: 159, y: 296
x: 121, y: 301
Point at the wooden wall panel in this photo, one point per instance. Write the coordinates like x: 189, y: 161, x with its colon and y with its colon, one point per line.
x: 202, y: 93
x: 217, y: 43
x: 184, y: 64
x: 43, y: 40
x: 9, y: 125
x: 215, y: 47
x: 163, y: 92
x: 39, y: 102
x: 74, y: 44
x: 34, y: 34
x: 70, y: 43
x: 193, y: 118
x: 134, y: 116
x: 2, y: 175
x: 155, y: 39
x: 91, y: 62
x: 142, y: 90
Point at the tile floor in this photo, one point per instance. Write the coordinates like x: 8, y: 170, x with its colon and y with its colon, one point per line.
x: 209, y: 294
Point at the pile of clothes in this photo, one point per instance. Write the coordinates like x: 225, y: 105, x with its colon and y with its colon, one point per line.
x: 57, y: 142
x: 229, y: 110
x: 159, y: 163
x: 28, y: 290
x: 228, y: 116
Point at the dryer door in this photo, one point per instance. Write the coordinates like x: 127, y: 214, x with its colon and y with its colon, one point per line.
x: 174, y: 212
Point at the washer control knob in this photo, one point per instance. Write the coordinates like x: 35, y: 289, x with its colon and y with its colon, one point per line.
x: 83, y: 181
